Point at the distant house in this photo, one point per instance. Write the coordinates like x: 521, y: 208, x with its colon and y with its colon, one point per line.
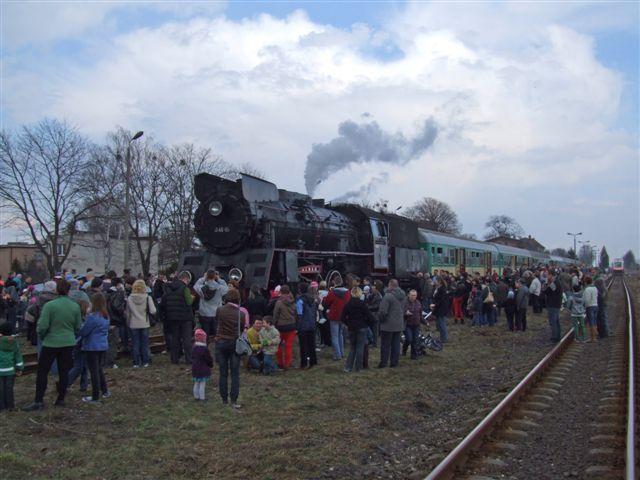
x: 527, y: 243
x: 101, y: 253
x: 26, y: 254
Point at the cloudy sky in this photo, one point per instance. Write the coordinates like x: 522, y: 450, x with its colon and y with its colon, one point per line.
x: 527, y: 109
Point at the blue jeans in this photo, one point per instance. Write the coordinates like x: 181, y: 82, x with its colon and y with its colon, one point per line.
x: 255, y: 361
x: 79, y: 368
x: 269, y: 364
x: 441, y: 323
x: 140, y: 340
x: 554, y: 323
x: 124, y: 331
x: 337, y: 339
x: 357, y: 341
x: 411, y: 335
x: 228, y: 360
x: 592, y: 316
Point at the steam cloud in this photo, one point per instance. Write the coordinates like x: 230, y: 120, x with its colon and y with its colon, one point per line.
x: 364, y: 191
x: 362, y: 143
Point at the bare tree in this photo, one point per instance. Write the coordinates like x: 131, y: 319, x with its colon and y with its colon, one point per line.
x: 183, y: 163
x: 41, y: 185
x: 435, y: 215
x: 503, y: 226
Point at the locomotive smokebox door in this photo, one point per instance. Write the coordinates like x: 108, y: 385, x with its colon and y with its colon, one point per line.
x: 291, y: 261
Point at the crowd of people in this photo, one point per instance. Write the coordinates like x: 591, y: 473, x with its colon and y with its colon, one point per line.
x: 79, y: 323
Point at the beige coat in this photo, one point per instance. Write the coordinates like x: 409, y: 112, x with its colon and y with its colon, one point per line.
x: 137, y: 306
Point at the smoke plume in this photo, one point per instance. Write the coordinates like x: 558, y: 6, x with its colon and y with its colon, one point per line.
x: 362, y: 143
x: 364, y: 191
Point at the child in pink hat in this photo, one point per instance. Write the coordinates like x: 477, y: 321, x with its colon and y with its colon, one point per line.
x: 201, y: 363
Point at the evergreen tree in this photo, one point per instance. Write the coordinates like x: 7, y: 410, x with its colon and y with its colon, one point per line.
x: 629, y: 260
x: 572, y: 254
x: 604, y: 258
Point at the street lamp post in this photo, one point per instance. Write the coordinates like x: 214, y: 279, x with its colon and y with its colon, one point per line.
x: 574, y: 235
x: 127, y: 198
x: 584, y: 243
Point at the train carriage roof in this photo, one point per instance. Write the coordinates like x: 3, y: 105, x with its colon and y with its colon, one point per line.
x: 513, y: 251
x: 429, y: 236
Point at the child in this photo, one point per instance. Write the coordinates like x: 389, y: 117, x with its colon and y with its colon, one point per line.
x: 11, y: 365
x: 94, y: 334
x: 270, y: 339
x: 510, y: 308
x: 201, y: 363
x: 575, y: 304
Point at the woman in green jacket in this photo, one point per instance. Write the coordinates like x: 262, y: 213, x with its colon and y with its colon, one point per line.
x: 58, y: 324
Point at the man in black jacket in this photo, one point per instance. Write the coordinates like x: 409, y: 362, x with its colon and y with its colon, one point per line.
x: 177, y: 312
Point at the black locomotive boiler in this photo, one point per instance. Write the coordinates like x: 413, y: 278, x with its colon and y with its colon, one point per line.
x: 267, y: 236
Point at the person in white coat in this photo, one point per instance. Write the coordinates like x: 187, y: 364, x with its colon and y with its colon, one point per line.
x: 535, y: 289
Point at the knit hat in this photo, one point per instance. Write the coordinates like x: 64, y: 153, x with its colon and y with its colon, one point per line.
x: 200, y: 335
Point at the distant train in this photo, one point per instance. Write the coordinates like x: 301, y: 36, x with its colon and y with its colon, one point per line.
x: 250, y: 229
x: 617, y: 266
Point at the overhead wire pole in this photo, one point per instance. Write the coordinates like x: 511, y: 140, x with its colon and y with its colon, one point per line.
x: 127, y: 198
x: 574, y: 235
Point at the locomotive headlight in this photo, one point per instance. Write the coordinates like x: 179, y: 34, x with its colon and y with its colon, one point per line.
x: 215, y: 208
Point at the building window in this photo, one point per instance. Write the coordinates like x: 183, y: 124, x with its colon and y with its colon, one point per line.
x: 60, y: 250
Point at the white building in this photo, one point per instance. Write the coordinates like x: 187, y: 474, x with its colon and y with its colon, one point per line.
x: 101, y: 253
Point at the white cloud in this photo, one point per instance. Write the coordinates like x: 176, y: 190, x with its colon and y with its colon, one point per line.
x: 520, y: 99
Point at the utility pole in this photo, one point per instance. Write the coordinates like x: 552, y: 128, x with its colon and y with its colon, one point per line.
x: 574, y: 235
x: 127, y: 198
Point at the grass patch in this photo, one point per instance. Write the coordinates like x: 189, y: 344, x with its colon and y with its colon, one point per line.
x: 320, y: 423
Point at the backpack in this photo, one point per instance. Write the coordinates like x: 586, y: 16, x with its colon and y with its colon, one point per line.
x: 208, y: 293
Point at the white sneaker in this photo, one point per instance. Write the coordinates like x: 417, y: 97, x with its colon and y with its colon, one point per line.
x: 114, y: 366
x: 145, y: 365
x: 136, y: 366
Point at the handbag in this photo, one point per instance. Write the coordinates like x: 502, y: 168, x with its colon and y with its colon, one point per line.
x: 242, y: 345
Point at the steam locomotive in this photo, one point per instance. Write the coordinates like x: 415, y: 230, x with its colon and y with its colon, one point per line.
x: 253, y: 231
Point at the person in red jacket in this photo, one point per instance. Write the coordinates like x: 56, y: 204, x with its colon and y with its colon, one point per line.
x: 333, y: 303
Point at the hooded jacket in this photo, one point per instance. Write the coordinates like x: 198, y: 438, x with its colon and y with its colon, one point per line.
x: 575, y: 303
x: 390, y: 314
x: 10, y: 356
x: 284, y: 313
x: 94, y: 333
x: 335, y: 302
x: 208, y: 308
x: 138, y: 304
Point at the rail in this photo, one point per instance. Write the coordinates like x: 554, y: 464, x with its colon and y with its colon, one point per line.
x: 446, y: 468
x: 630, y: 459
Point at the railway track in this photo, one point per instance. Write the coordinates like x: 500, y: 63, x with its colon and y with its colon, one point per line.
x: 568, y: 418
x: 156, y: 345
